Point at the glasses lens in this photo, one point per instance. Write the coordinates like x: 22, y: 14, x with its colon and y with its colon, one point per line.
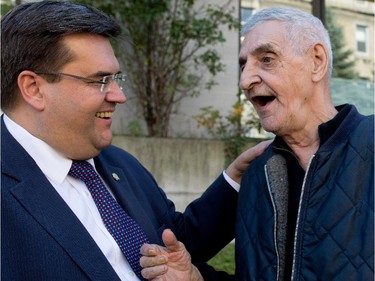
x: 108, y: 80
x: 120, y: 80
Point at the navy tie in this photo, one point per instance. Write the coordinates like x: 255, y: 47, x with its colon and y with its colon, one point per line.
x: 126, y: 232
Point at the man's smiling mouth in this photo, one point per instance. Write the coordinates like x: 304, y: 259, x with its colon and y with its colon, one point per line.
x: 104, y: 115
x: 262, y: 100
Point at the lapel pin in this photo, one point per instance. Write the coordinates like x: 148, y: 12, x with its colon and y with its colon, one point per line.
x: 115, y: 177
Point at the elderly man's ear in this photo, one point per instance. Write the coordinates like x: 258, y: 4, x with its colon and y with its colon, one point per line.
x: 319, y: 58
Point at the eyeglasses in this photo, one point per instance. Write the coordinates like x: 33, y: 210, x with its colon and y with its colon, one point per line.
x: 105, y: 82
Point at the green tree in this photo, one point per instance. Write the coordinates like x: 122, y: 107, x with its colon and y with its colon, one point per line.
x: 6, y: 6
x: 343, y: 64
x: 169, y: 47
x: 232, y: 129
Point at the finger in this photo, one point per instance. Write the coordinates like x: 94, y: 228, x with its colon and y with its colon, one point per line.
x: 153, y: 261
x: 255, y: 151
x: 261, y: 147
x: 152, y: 250
x: 154, y: 272
x: 171, y: 242
x: 258, y: 149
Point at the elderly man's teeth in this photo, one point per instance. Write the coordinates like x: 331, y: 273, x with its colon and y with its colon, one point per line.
x: 104, y: 114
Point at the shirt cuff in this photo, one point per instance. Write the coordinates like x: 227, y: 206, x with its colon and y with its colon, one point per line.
x: 234, y: 184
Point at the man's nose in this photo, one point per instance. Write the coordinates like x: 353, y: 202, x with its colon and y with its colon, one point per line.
x: 249, y: 77
x: 116, y: 94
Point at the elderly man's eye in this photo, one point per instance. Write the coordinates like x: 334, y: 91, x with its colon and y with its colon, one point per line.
x: 267, y: 59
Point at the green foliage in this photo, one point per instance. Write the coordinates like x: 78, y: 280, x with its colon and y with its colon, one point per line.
x: 343, y: 65
x: 232, y: 128
x: 224, y: 260
x: 5, y: 8
x: 134, y: 128
x: 168, y: 48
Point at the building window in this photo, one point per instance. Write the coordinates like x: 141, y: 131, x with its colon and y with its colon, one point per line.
x: 245, y: 14
x: 361, y: 38
x: 360, y: 2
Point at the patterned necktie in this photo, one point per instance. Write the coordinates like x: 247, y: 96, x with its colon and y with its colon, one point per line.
x: 126, y: 232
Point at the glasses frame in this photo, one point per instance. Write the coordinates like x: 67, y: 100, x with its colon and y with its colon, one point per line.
x: 106, y: 80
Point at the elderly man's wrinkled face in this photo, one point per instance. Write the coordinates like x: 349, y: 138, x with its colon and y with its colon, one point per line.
x: 275, y: 79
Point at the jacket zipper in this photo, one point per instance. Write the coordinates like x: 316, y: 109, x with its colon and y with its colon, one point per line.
x: 274, y: 223
x: 297, y: 223
x: 298, y: 218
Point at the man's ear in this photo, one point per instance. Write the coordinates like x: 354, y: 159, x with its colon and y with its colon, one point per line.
x: 320, y: 62
x: 29, y: 84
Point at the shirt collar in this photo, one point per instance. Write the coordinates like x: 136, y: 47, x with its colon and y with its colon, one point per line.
x: 327, y: 129
x: 52, y: 163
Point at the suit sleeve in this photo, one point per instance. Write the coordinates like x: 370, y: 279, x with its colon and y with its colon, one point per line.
x: 209, y: 221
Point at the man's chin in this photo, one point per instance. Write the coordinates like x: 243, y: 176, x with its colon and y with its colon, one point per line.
x: 102, y: 144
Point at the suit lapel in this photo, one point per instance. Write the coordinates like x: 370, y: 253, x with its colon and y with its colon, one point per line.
x: 126, y: 197
x: 34, y: 192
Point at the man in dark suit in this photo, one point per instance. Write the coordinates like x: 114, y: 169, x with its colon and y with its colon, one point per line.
x: 60, y: 86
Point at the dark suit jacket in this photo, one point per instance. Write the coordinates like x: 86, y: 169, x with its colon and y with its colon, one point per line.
x: 42, y: 239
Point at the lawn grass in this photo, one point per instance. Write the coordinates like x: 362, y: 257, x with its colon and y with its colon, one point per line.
x: 224, y: 260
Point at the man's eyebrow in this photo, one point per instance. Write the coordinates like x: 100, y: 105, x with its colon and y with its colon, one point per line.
x: 242, y: 61
x: 103, y: 73
x: 264, y: 48
x: 261, y: 49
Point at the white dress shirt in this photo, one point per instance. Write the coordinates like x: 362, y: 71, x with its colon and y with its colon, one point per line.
x: 75, y: 193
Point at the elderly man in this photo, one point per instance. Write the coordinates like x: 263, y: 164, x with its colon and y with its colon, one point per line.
x: 306, y: 206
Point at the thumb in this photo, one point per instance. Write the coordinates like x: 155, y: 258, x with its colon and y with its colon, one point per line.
x: 171, y: 242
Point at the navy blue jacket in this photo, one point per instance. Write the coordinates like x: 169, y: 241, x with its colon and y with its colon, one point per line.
x: 43, y: 240
x: 334, y: 237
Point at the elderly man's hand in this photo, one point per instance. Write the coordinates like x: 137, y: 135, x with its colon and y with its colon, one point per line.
x: 237, y: 168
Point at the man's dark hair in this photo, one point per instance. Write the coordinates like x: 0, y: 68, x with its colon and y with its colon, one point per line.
x: 31, y: 36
